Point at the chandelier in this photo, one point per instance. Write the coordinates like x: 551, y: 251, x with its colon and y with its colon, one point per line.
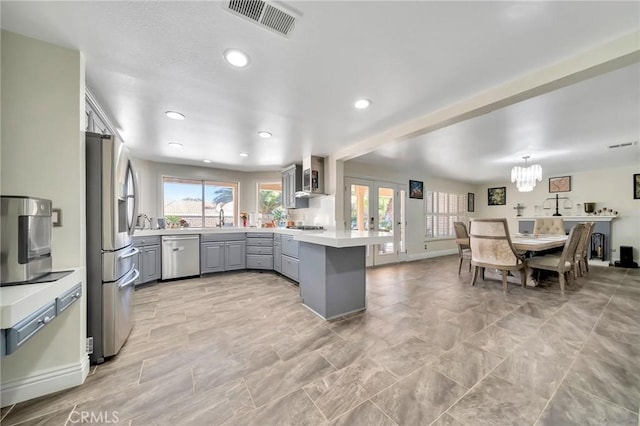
x: 526, y: 177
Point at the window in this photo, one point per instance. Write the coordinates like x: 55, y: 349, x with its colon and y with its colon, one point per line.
x: 442, y: 210
x: 199, y: 203
x: 270, y: 201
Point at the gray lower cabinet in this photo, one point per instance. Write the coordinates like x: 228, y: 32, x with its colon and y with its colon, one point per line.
x: 290, y: 257
x: 260, y: 250
x: 235, y: 255
x: 223, y: 252
x: 12, y: 338
x: 211, y: 257
x: 149, y: 260
x: 277, y: 253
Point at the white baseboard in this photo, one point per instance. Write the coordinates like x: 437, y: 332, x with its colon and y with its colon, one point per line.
x: 430, y: 254
x: 45, y: 383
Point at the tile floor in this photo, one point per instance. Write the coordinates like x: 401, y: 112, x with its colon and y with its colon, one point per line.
x: 240, y: 349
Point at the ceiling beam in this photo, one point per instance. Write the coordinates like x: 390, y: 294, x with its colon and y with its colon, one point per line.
x: 605, y: 58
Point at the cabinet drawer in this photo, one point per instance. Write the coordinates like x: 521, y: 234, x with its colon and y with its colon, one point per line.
x: 290, y: 247
x: 260, y: 235
x: 256, y: 261
x: 22, y: 331
x: 146, y: 241
x: 290, y: 267
x: 259, y: 250
x: 265, y: 242
x: 67, y: 299
x: 231, y: 236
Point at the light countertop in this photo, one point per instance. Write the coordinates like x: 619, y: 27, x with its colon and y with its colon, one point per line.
x: 328, y: 238
x: 19, y: 301
x: 573, y: 218
x: 340, y: 239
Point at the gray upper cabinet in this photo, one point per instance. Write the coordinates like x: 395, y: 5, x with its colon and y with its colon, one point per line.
x: 292, y: 182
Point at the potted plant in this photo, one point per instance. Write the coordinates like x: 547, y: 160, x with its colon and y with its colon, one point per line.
x: 172, y: 221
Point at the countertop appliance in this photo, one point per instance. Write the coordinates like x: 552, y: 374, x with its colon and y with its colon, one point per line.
x: 26, y: 239
x: 180, y: 256
x: 112, y: 209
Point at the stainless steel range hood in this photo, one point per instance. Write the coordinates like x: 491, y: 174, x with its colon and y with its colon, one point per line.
x: 312, y: 177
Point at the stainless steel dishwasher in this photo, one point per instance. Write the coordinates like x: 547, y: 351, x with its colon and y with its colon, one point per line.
x: 180, y: 256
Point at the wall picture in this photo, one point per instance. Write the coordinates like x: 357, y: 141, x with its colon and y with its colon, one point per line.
x: 497, y: 196
x: 636, y: 186
x: 416, y: 189
x: 560, y: 184
x: 471, y: 201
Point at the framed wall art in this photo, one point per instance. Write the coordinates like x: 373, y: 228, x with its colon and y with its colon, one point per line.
x: 416, y: 189
x: 497, y: 196
x: 636, y: 186
x: 560, y: 184
x: 471, y: 202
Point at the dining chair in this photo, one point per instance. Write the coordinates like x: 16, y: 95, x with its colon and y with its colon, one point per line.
x: 564, y: 263
x: 462, y: 241
x: 491, y: 247
x: 582, y: 264
x: 549, y: 226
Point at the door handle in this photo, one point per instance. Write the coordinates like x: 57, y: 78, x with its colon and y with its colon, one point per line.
x: 130, y: 282
x: 133, y: 252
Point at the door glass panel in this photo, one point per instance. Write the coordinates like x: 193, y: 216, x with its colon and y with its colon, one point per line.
x: 359, y: 207
x: 401, y: 220
x: 385, y: 217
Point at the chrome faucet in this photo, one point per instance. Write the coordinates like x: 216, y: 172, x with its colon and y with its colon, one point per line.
x: 221, y: 218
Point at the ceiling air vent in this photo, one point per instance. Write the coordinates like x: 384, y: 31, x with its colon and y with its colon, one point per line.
x: 271, y: 15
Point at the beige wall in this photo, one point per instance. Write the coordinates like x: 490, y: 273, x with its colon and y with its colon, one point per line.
x: 612, y: 188
x: 43, y: 156
x: 43, y: 150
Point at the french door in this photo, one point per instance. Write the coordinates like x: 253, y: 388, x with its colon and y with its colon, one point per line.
x: 377, y: 206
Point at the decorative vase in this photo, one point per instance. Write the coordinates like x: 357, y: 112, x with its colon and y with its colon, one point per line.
x: 589, y: 208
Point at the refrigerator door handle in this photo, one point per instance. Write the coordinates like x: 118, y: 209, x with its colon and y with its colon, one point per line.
x: 132, y: 226
x: 133, y: 252
x: 130, y: 282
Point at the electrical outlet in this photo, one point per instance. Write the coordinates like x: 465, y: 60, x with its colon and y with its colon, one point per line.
x: 425, y: 246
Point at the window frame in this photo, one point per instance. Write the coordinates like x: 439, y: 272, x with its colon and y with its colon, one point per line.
x: 459, y: 214
x: 203, y: 183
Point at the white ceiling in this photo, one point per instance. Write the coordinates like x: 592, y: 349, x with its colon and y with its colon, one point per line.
x: 409, y: 58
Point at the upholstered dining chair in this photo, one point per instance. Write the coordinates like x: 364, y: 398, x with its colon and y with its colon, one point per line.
x: 462, y: 241
x: 491, y: 247
x: 581, y: 262
x: 564, y: 263
x: 549, y: 225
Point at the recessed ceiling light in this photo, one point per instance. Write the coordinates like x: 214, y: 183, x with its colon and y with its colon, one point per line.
x: 207, y: 161
x: 175, y: 144
x: 175, y: 115
x: 236, y: 57
x: 244, y: 154
x: 264, y: 134
x: 362, y: 103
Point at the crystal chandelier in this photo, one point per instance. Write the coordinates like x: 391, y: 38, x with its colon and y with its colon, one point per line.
x: 526, y: 177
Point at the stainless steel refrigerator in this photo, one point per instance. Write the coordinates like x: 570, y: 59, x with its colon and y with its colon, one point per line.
x: 112, y: 208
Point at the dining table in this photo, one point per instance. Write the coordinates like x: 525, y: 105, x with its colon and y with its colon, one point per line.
x: 529, y: 245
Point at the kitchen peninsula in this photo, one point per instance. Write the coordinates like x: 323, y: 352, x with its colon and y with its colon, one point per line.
x: 329, y: 265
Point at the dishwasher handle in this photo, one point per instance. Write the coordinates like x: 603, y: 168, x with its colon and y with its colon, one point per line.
x: 181, y: 238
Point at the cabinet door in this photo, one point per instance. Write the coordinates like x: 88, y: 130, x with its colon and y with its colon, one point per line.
x: 290, y: 247
x: 235, y: 255
x: 211, y: 257
x: 151, y: 268
x: 277, y: 256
